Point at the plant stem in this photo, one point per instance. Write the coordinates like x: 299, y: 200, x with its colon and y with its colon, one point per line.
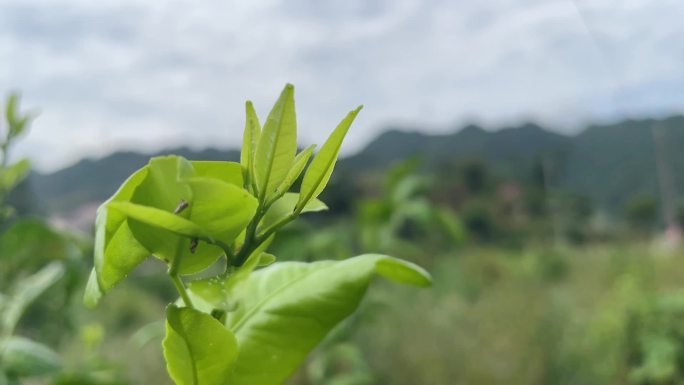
x: 273, y: 228
x: 177, y: 282
x: 250, y: 235
x: 180, y: 287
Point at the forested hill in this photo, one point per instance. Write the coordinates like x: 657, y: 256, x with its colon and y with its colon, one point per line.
x: 608, y: 163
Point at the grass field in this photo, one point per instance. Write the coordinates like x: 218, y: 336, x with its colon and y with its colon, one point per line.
x: 606, y: 314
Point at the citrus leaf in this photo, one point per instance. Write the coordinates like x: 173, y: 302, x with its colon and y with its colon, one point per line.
x: 250, y: 139
x: 277, y: 144
x: 318, y: 173
x: 161, y: 219
x: 295, y: 171
x: 197, y: 348
x: 229, y: 172
x: 223, y: 210
x: 287, y: 308
x: 114, y: 258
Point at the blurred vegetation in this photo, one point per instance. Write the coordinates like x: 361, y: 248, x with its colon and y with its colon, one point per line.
x: 42, y: 270
x: 546, y: 271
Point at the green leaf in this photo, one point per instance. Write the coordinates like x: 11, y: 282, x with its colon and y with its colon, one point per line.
x: 160, y: 219
x: 25, y: 358
x: 223, y: 292
x: 93, y: 292
x: 116, y: 251
x: 250, y: 139
x: 289, y: 307
x: 164, y: 185
x: 295, y: 171
x: 229, y: 172
x: 168, y: 236
x: 11, y: 107
x: 277, y: 145
x: 123, y: 254
x: 197, y: 348
x: 318, y: 173
x: 285, y: 206
x: 15, y: 121
x: 222, y: 210
x: 12, y: 175
x: 266, y: 259
x: 26, y: 291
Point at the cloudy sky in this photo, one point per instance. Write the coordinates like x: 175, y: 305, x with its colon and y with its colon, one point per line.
x: 131, y: 74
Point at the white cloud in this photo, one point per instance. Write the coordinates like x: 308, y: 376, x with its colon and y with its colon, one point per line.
x: 127, y: 74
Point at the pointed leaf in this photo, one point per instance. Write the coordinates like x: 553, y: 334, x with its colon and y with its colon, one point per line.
x: 289, y: 307
x: 16, y: 121
x: 266, y: 259
x: 277, y: 144
x: 318, y: 173
x: 250, y: 139
x: 12, y: 175
x: 197, y: 348
x: 297, y: 167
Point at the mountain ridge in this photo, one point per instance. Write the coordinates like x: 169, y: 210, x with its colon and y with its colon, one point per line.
x: 607, y: 162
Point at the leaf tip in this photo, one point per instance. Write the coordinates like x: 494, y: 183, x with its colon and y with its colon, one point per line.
x: 93, y: 291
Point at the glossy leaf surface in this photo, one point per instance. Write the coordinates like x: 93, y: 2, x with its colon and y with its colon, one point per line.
x: 298, y: 165
x: 277, y: 144
x: 197, y: 348
x: 318, y: 173
x: 116, y: 251
x: 289, y: 307
x: 229, y: 172
x: 250, y: 140
x: 222, y: 210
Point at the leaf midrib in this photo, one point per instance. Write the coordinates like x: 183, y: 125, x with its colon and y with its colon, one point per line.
x: 195, y: 377
x: 275, y: 293
x: 272, y: 153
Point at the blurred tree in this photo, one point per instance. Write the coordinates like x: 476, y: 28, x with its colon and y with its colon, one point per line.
x: 475, y: 176
x: 679, y: 215
x: 642, y: 212
x: 479, y: 220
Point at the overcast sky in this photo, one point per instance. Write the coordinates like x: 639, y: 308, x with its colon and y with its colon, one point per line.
x: 132, y: 74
